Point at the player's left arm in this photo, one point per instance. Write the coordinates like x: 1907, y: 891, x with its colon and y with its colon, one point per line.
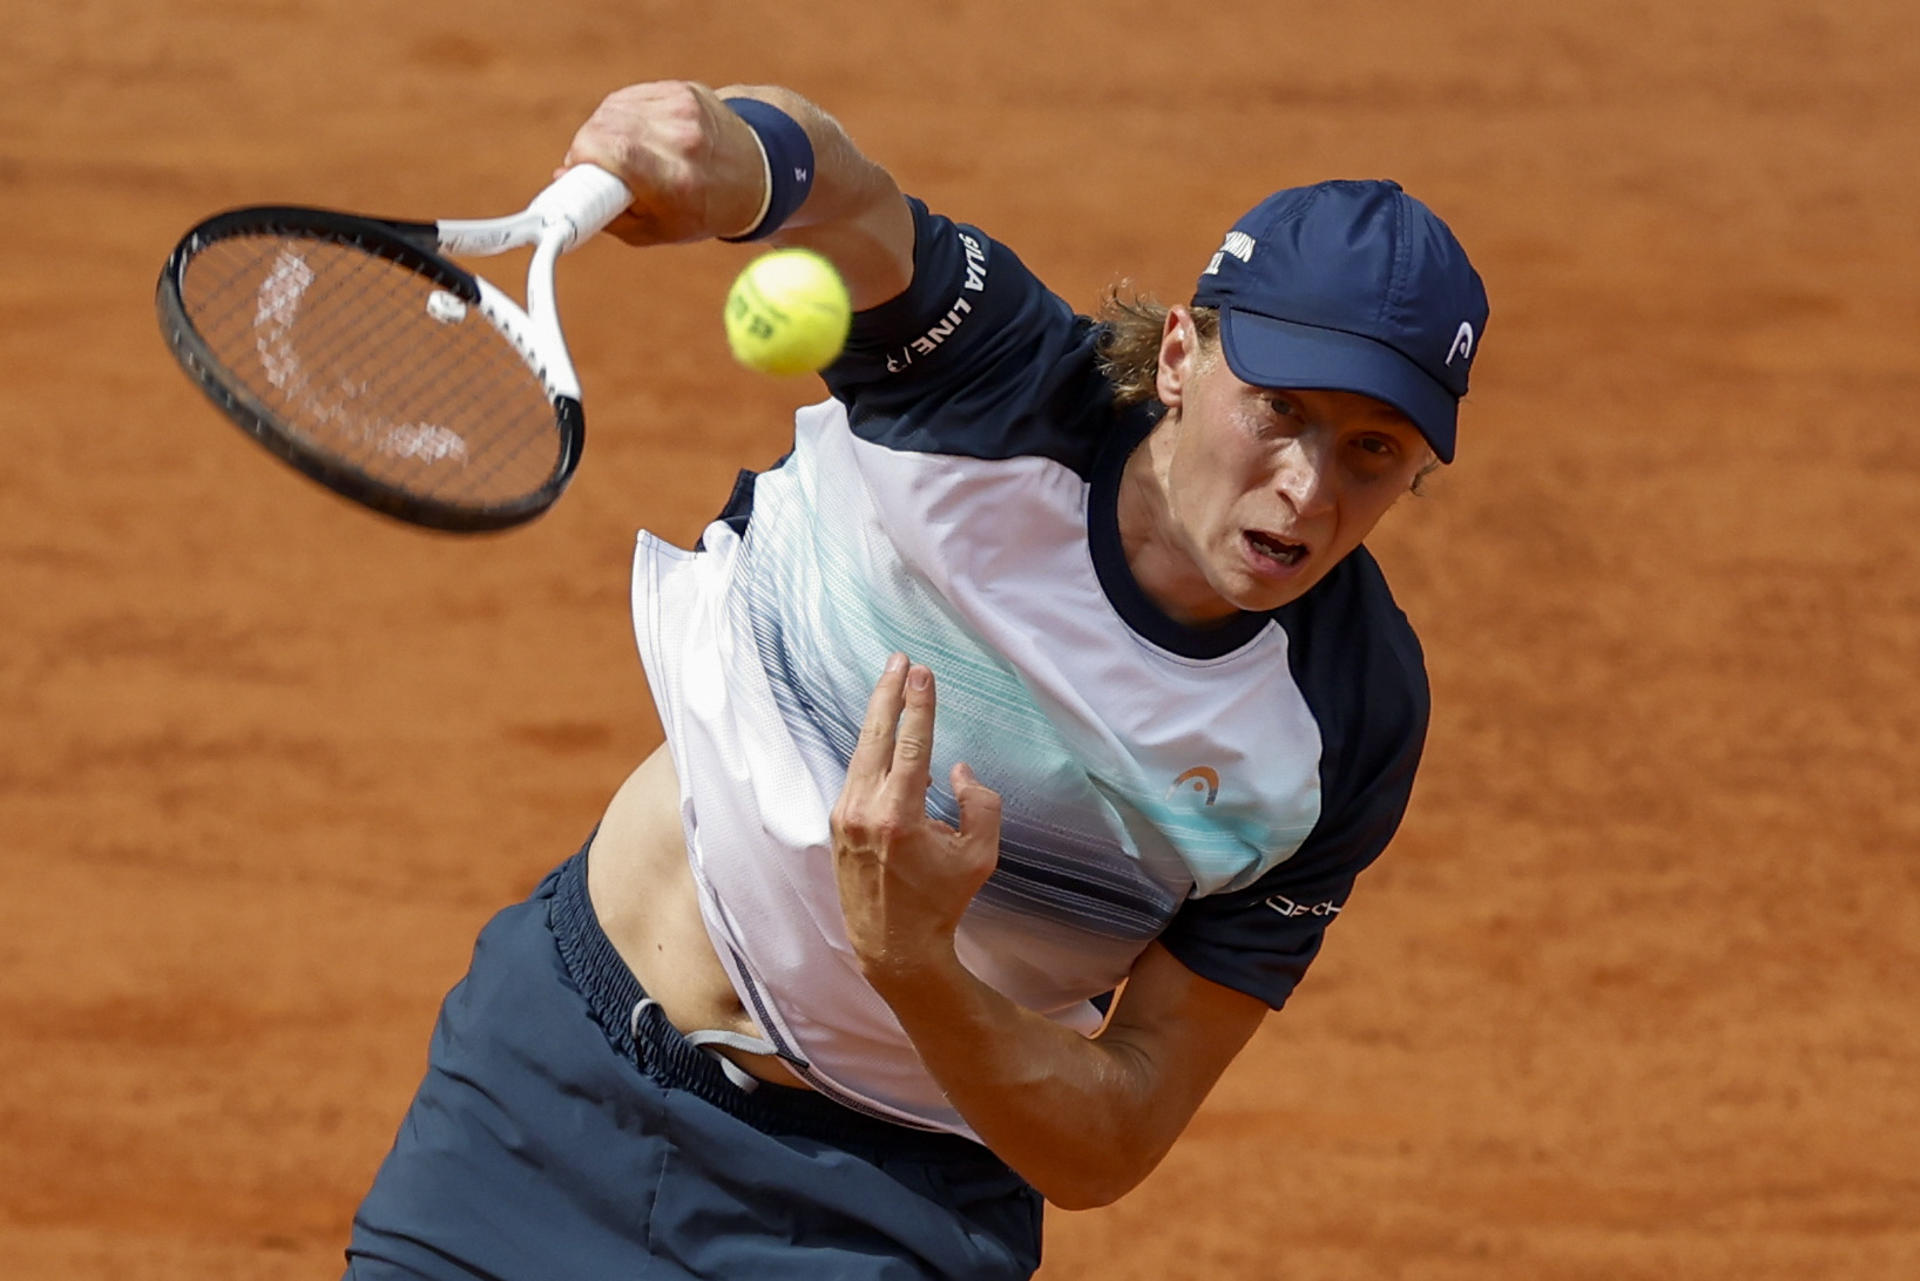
x: 1083, y: 1120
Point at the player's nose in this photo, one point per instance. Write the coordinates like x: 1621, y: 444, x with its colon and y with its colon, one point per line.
x: 1304, y: 476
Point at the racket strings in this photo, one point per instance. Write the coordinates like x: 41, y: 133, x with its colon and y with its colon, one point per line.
x: 422, y: 414
x: 371, y: 365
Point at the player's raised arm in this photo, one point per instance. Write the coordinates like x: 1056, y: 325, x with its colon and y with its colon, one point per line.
x: 779, y: 170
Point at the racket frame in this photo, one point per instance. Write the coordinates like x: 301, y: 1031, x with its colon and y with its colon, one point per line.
x: 568, y: 212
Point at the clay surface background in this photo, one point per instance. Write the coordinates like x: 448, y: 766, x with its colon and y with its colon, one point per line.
x: 1633, y: 996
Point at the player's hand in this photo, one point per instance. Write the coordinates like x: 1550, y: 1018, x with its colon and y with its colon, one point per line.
x: 693, y: 166
x: 906, y: 879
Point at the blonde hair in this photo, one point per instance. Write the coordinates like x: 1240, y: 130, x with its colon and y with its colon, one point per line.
x: 1129, y: 351
x: 1129, y: 348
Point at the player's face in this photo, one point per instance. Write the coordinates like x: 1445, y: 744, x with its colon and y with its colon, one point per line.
x: 1263, y: 491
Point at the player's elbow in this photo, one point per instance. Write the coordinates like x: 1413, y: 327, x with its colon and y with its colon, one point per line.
x: 1123, y: 1134
x: 1088, y: 1194
x: 1099, y: 1181
x: 1083, y: 1198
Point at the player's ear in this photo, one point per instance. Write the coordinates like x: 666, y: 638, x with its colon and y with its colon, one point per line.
x: 1179, y: 356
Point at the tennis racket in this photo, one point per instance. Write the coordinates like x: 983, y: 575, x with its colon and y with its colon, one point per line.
x: 354, y: 350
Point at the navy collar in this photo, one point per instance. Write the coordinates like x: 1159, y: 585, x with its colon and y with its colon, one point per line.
x: 1134, y: 606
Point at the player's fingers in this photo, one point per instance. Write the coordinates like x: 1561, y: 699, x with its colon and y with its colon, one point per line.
x: 873, y: 753
x: 912, y: 764
x: 608, y: 139
x: 693, y: 165
x: 635, y: 228
x: 628, y: 225
x: 979, y: 815
x: 650, y: 137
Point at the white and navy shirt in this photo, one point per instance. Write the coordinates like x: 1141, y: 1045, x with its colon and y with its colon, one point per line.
x: 1217, y: 789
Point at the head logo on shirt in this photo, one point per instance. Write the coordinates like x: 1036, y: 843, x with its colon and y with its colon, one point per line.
x: 1287, y: 907
x: 1201, y: 780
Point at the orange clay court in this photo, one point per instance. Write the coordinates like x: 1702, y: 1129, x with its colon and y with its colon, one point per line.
x: 1636, y: 994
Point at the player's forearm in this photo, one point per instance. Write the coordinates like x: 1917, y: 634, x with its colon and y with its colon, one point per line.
x: 846, y: 184
x: 854, y: 214
x: 1071, y: 1115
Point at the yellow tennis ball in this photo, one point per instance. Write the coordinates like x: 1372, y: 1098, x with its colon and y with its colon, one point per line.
x: 788, y: 313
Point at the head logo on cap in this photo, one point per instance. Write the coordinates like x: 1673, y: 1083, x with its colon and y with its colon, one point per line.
x: 1462, y: 342
x: 1356, y: 287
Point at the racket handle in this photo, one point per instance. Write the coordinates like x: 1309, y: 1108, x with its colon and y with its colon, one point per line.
x: 587, y: 197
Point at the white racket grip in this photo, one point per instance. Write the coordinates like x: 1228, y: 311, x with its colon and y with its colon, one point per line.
x: 587, y: 197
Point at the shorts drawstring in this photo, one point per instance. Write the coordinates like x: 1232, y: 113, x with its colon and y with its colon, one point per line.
x: 706, y: 1037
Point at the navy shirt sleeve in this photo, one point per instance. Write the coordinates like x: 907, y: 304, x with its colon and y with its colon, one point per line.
x: 1356, y: 659
x: 975, y: 357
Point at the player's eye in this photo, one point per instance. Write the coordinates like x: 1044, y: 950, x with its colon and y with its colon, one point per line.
x: 1379, y: 450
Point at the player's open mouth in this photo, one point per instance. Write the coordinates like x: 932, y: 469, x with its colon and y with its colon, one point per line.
x: 1282, y: 552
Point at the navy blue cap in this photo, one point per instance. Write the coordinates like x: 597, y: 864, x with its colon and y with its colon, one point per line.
x: 1351, y: 286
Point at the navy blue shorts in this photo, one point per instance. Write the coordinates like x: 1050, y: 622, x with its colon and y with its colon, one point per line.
x: 546, y: 1143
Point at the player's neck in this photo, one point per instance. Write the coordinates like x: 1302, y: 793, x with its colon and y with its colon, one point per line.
x: 1162, y: 564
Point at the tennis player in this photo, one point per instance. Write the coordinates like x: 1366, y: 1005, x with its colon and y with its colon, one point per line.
x: 1026, y: 727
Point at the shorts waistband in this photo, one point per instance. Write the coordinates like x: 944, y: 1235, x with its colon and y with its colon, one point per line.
x: 612, y: 993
